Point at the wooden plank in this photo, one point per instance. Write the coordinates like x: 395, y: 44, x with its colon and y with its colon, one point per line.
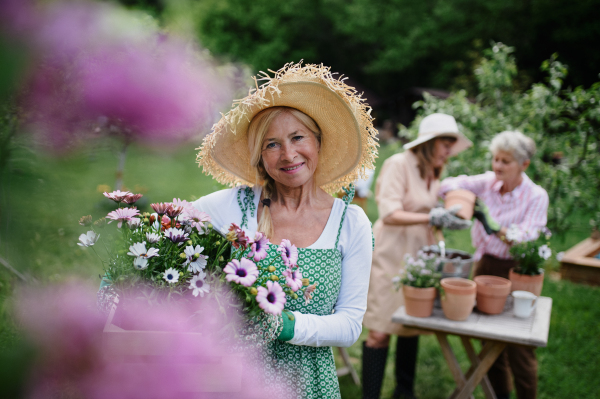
x: 457, y: 373
x: 504, y: 327
x: 349, y: 367
x: 582, y: 253
x: 485, y: 382
x: 541, y: 322
x: 580, y: 274
x: 486, y: 362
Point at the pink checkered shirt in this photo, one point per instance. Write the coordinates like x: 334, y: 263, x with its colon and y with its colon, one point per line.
x: 526, y: 207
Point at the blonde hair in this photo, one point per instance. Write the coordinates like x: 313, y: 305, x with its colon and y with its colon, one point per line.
x: 257, y: 130
x: 424, y: 153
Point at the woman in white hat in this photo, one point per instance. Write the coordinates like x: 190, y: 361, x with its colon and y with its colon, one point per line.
x: 283, y: 148
x: 406, y: 193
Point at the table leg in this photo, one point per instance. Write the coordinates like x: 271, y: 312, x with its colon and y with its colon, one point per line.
x: 349, y: 368
x: 485, y: 382
x: 487, y: 357
x: 457, y: 373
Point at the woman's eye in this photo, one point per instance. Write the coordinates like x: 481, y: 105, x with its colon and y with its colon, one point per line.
x: 297, y: 138
x: 270, y: 146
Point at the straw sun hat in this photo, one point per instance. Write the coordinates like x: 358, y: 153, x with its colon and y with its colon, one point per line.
x: 348, y: 144
x: 440, y: 125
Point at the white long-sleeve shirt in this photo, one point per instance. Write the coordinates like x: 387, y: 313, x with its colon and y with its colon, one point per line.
x: 343, y: 327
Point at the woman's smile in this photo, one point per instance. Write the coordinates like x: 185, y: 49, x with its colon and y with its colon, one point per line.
x: 293, y: 168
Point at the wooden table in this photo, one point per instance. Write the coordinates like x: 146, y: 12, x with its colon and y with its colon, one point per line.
x: 497, y: 331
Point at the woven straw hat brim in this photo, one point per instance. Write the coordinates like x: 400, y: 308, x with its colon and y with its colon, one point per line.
x: 462, y: 143
x: 348, y: 144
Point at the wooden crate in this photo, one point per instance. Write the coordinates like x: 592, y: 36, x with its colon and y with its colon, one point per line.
x: 579, y: 264
x: 146, y: 351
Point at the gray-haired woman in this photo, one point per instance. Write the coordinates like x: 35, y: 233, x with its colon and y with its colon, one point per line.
x: 506, y: 198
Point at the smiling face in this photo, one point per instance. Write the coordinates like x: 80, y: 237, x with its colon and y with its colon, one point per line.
x: 290, y: 151
x: 506, y: 167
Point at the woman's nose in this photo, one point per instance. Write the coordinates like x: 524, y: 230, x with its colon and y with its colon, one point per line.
x: 289, y: 152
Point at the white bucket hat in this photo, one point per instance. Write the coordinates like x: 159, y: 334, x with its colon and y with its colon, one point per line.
x: 440, y: 125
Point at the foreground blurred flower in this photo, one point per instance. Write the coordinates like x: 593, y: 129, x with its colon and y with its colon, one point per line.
x: 123, y: 215
x: 289, y: 253
x: 85, y: 220
x: 242, y: 272
x: 139, y: 249
x: 271, y: 299
x: 88, y: 239
x: 198, y: 284
x: 171, y: 275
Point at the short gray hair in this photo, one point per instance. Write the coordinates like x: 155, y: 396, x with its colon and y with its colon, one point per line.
x: 516, y: 143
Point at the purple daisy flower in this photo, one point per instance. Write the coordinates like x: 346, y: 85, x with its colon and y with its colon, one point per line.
x: 123, y: 215
x: 289, y: 253
x: 242, y: 272
x: 272, y: 298
x: 258, y: 248
x: 293, y: 278
x: 176, y: 235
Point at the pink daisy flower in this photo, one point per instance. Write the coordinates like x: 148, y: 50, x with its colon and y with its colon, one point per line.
x: 259, y: 246
x: 293, y: 278
x: 117, y: 196
x: 161, y: 207
x: 242, y: 272
x: 123, y: 215
x: 132, y: 198
x: 289, y: 253
x: 195, y: 218
x: 182, y: 203
x: 272, y: 298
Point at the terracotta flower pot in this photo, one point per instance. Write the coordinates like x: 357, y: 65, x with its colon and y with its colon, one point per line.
x: 491, y: 293
x: 418, y: 301
x: 523, y: 282
x: 465, y: 198
x: 459, y: 297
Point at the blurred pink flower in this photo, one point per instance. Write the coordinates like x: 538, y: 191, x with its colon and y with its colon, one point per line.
x: 75, y: 356
x: 117, y: 196
x: 293, y: 278
x: 242, y: 271
x: 289, y: 252
x: 259, y: 246
x: 106, y: 70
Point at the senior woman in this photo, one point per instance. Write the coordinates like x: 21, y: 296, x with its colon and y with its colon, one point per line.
x: 283, y: 148
x: 506, y: 198
x: 406, y: 193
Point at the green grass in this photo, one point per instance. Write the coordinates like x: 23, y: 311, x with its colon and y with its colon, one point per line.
x: 43, y: 198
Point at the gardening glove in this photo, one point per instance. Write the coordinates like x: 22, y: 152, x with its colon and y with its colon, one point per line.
x: 482, y: 214
x: 446, y: 218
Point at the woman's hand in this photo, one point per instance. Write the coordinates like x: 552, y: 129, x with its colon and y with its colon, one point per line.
x: 446, y: 218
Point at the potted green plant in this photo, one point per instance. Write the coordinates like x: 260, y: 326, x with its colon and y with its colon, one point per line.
x: 419, y: 281
x: 530, y: 256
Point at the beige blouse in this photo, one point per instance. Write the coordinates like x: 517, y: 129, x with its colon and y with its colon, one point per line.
x: 399, y: 186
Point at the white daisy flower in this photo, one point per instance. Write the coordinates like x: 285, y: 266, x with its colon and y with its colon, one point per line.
x: 545, y: 252
x: 171, y: 275
x: 153, y: 237
x: 195, y: 261
x: 140, y: 263
x: 514, y: 234
x: 88, y: 239
x: 139, y: 249
x: 134, y: 223
x: 198, y: 284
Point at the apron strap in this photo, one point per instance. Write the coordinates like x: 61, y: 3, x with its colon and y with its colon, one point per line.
x: 245, y: 204
x: 347, y: 200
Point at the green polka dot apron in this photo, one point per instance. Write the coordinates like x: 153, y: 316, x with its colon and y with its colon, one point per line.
x: 310, y: 372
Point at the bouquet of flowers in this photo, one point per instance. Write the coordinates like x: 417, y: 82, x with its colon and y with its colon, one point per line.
x: 420, y: 272
x: 176, y: 254
x: 529, y: 255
